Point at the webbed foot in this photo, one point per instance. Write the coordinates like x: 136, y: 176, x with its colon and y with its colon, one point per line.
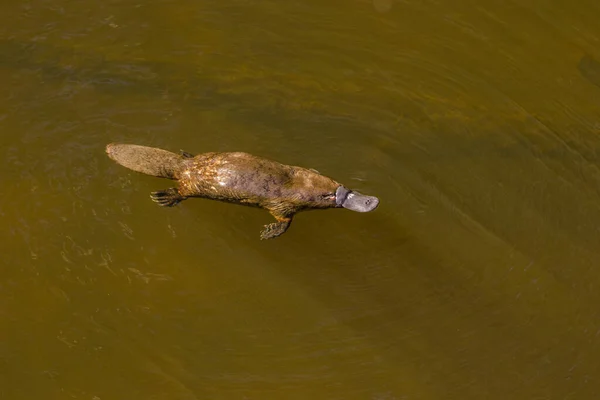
x: 167, y: 198
x: 275, y: 229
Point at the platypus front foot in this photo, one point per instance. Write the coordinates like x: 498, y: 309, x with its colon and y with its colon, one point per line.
x: 275, y: 229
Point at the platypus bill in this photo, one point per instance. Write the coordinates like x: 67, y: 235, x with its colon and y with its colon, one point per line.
x: 241, y: 178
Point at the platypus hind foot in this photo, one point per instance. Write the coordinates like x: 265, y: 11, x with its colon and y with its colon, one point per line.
x: 167, y: 198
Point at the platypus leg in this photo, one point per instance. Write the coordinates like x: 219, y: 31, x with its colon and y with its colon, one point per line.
x: 275, y: 229
x: 167, y: 198
x: 185, y: 154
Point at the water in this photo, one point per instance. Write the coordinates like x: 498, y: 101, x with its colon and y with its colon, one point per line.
x: 476, y: 124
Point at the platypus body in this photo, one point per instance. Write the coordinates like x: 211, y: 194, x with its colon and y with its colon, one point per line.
x: 241, y: 178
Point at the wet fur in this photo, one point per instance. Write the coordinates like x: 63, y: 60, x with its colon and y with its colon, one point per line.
x: 234, y: 177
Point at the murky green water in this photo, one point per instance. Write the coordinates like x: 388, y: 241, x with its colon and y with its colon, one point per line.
x: 476, y: 123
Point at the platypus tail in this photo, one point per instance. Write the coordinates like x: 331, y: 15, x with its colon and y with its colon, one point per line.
x: 147, y: 160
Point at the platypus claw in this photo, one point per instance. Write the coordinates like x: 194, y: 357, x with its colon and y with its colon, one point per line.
x: 273, y: 230
x: 167, y: 198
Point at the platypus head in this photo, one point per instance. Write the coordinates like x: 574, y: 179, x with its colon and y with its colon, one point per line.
x: 355, y: 201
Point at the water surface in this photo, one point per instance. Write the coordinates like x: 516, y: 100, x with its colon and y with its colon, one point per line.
x: 475, y: 123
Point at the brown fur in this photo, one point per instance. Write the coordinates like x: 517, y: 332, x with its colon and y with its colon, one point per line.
x: 235, y: 177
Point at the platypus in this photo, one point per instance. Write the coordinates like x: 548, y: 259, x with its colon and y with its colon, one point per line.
x: 241, y: 178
